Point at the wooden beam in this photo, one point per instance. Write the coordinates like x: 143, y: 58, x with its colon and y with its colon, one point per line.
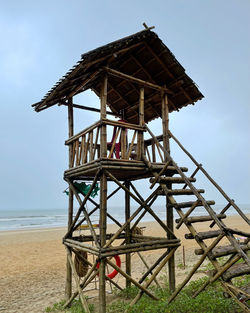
x: 136, y: 80
x: 167, y: 70
x: 83, y: 107
x: 128, y: 234
x: 68, y: 285
x: 165, y: 124
x: 103, y: 232
x: 103, y: 116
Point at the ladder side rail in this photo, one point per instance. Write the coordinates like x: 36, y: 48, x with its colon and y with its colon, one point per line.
x: 220, y: 224
x: 190, y: 185
x: 210, y: 178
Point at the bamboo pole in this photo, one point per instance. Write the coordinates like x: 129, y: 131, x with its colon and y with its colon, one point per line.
x: 156, y: 179
x: 96, y: 141
x: 196, y: 266
x: 131, y: 145
x: 140, y: 141
x: 86, y: 215
x: 157, y: 271
x: 142, y: 204
x: 165, y: 123
x: 145, y: 275
x: 82, y: 298
x: 127, y: 233
x: 103, y: 230
x: 133, y: 281
x: 147, y: 266
x: 246, y: 219
x: 103, y: 116
x: 217, y: 275
x: 83, y: 132
x: 133, y: 215
x: 136, y: 80
x: 97, y: 206
x: 68, y: 285
x: 69, y: 232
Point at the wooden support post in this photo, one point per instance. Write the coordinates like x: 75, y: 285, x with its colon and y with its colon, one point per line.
x: 171, y: 263
x: 68, y: 285
x: 140, y: 143
x: 103, y: 231
x: 103, y: 116
x: 127, y: 232
x: 165, y: 124
x: 170, y: 214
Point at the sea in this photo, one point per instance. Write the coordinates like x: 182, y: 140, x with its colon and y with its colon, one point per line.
x: 52, y: 218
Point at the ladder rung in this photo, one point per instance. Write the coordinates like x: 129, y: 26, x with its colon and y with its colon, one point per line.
x: 223, y: 250
x: 197, y: 219
x: 188, y: 204
x: 157, y: 167
x: 204, y: 235
x: 173, y: 180
x: 180, y: 192
x: 236, y: 270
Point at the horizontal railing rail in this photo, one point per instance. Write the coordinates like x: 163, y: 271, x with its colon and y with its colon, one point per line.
x: 124, y: 143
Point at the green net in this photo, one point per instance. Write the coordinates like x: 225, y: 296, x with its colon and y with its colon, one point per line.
x: 84, y: 189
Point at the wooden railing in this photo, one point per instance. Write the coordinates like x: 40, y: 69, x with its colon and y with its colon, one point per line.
x: 86, y: 145
x: 153, y: 150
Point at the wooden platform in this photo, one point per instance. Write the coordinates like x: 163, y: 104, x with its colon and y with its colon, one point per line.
x: 121, y: 169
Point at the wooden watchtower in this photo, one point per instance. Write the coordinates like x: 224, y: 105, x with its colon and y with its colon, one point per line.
x: 137, y: 80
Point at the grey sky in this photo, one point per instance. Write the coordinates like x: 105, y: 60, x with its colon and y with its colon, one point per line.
x: 40, y: 41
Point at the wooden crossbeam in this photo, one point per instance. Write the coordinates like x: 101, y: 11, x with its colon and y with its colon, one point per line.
x: 150, y: 280
x: 136, y: 80
x: 132, y: 216
x: 86, y: 215
x: 182, y: 219
x: 147, y: 266
x: 142, y: 204
x: 196, y: 266
x: 160, y: 173
x: 83, y: 204
x: 133, y: 281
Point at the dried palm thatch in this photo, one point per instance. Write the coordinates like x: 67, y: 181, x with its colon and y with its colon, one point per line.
x: 81, y: 265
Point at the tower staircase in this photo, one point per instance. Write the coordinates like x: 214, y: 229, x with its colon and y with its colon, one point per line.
x: 219, y: 240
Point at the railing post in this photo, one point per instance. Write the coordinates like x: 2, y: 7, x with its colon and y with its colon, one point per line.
x: 140, y: 143
x: 103, y: 116
x: 165, y: 123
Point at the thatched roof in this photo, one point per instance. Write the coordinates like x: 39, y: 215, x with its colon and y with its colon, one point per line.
x: 142, y: 55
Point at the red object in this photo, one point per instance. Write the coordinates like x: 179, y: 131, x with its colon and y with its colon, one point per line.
x: 118, y: 144
x: 118, y: 263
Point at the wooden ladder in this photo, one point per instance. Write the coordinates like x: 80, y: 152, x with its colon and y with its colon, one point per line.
x: 235, y: 251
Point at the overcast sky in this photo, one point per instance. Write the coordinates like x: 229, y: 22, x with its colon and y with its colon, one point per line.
x: 41, y: 40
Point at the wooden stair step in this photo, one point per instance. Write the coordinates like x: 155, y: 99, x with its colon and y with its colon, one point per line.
x: 170, y: 168
x: 173, y: 180
x: 223, y: 250
x: 197, y: 219
x: 180, y: 192
x: 204, y: 235
x: 183, y: 205
x: 236, y: 270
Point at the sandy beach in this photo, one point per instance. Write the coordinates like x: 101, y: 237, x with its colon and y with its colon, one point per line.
x: 32, y: 271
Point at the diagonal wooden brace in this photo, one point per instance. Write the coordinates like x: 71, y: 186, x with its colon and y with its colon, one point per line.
x: 160, y: 173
